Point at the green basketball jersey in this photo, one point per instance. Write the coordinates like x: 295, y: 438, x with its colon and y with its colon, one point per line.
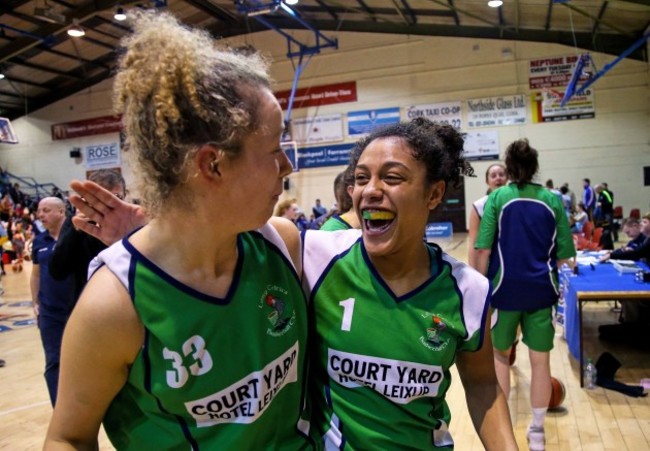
x: 382, y: 363
x: 214, y: 373
x: 335, y: 223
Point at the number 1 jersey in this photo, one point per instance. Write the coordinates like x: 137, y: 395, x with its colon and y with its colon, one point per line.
x: 382, y: 361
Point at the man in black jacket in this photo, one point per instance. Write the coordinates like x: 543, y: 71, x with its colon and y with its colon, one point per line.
x: 74, y: 249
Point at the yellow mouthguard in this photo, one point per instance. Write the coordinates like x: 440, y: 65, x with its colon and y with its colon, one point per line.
x: 378, y: 215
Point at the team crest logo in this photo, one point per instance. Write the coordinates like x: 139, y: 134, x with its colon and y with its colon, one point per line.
x: 433, y: 338
x: 280, y: 313
x: 433, y: 333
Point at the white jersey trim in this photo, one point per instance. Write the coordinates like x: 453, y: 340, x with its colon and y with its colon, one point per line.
x: 118, y: 260
x: 271, y: 235
x: 319, y: 249
x: 474, y: 289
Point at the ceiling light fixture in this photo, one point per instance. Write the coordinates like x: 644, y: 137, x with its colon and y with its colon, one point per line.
x: 495, y: 3
x: 75, y: 30
x: 291, y: 2
x: 120, y: 15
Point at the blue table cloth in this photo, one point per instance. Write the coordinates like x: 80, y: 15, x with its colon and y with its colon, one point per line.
x: 602, y: 277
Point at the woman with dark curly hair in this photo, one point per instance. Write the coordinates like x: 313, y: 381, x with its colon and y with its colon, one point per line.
x: 393, y: 313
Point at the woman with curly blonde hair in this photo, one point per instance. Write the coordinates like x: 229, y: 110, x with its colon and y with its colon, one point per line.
x: 199, y: 341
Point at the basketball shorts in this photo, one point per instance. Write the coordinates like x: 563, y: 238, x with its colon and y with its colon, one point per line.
x: 536, y: 327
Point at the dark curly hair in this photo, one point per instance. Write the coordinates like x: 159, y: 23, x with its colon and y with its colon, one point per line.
x: 438, y: 146
x: 521, y: 162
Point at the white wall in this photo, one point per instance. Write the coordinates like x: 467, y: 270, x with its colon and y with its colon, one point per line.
x: 401, y: 71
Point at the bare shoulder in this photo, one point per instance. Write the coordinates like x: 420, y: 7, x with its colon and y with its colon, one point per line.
x: 291, y: 237
x: 101, y: 341
x: 105, y: 312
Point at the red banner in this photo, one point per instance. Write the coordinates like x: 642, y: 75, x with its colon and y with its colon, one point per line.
x: 320, y: 95
x: 87, y: 127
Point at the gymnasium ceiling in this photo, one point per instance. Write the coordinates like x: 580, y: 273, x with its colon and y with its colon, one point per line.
x: 42, y: 64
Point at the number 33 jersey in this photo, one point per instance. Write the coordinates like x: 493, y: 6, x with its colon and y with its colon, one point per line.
x: 382, y: 363
x: 214, y: 373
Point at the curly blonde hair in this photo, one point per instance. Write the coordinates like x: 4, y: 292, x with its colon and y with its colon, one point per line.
x: 178, y: 91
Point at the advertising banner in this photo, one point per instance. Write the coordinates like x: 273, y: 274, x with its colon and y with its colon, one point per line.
x: 438, y: 230
x: 446, y: 113
x: 496, y: 111
x: 546, y: 106
x: 317, y: 129
x: 322, y: 156
x: 365, y: 121
x: 87, y: 127
x: 554, y: 72
x: 482, y: 145
x: 102, y: 156
x: 319, y: 95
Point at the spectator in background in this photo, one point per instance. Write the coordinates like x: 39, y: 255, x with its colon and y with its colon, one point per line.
x: 318, y: 209
x: 632, y: 228
x: 572, y: 195
x: 18, y: 241
x: 577, y: 221
x: 614, y: 225
x: 611, y: 193
x: 4, y: 181
x: 17, y: 196
x: 313, y: 223
x: 4, y: 237
x: 288, y: 209
x: 6, y: 207
x: 588, y: 198
x: 639, y: 250
x: 74, y: 249
x: 56, y: 192
x: 566, y: 201
x: 346, y: 217
x: 604, y: 206
x: 301, y: 221
x: 605, y: 216
x: 51, y: 298
x: 551, y: 187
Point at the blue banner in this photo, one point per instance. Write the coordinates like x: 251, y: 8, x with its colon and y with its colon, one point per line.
x: 322, y: 156
x: 364, y: 122
x: 439, y: 230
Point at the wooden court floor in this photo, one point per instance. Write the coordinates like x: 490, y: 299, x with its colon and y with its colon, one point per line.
x: 588, y: 420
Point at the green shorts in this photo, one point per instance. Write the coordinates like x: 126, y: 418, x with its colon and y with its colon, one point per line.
x: 536, y: 327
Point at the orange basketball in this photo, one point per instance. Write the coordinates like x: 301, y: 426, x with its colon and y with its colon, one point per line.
x: 558, y: 392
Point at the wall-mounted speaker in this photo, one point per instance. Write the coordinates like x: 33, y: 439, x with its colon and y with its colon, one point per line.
x: 75, y: 153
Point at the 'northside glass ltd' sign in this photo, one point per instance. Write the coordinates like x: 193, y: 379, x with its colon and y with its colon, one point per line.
x: 496, y: 111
